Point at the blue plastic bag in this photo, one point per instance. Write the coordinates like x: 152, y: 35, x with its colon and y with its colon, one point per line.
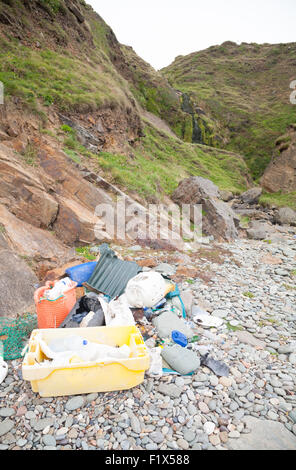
x: 82, y: 272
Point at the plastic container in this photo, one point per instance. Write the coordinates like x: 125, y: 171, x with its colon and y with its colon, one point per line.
x: 82, y: 272
x: 147, y: 289
x: 179, y: 338
x: 58, y: 290
x: 50, y: 314
x: 87, y: 377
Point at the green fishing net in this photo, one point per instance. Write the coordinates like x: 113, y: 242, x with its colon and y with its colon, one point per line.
x: 14, y: 332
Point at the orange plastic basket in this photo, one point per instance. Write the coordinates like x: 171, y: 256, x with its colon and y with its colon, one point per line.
x: 50, y: 314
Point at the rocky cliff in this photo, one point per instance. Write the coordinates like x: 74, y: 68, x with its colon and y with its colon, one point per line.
x: 240, y: 94
x: 280, y: 175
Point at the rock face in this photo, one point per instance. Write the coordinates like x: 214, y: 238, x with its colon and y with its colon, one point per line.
x: 218, y: 218
x: 280, y: 175
x: 17, y: 282
x: 23, y: 193
x: 30, y: 241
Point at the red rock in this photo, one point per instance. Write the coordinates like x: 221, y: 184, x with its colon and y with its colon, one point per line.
x: 22, y: 410
x: 149, y: 263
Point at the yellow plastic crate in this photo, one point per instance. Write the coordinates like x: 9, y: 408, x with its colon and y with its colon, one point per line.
x: 87, y: 377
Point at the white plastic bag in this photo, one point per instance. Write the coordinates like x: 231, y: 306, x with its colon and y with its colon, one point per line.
x: 155, y: 362
x: 3, y: 370
x: 146, y: 289
x: 117, y: 312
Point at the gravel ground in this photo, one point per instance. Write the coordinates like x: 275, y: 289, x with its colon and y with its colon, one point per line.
x: 254, y: 291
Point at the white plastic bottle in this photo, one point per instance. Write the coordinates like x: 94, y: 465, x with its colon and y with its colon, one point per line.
x: 3, y: 365
x: 58, y: 289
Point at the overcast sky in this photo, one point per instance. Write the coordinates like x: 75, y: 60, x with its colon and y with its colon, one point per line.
x: 160, y: 30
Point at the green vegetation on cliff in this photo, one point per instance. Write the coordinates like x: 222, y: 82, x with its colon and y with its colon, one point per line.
x: 244, y: 91
x: 153, y: 168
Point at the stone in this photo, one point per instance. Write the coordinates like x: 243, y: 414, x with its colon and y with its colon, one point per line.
x: 226, y: 196
x: 258, y: 233
x: 292, y: 415
x: 264, y: 435
x: 218, y: 218
x: 170, y: 389
x: 6, y: 426
x: 167, y: 322
x: 182, y: 360
x: 40, y: 424
x: 203, y: 407
x: 182, y: 444
x: 49, y: 440
x: 166, y: 269
x: 74, y: 403
x: 292, y: 358
x: 225, y: 381
x: 189, y: 435
x: 209, y: 427
x: 286, y: 216
x: 248, y: 338
x: 6, y: 412
x: 214, y: 439
x: 251, y: 196
x: 223, y: 437
x: 157, y: 437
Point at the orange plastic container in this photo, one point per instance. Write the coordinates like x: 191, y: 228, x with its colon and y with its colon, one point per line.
x: 50, y: 314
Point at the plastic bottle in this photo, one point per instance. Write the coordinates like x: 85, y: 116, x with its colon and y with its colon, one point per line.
x: 72, y: 343
x: 59, y: 288
x: 3, y: 365
x: 159, y: 304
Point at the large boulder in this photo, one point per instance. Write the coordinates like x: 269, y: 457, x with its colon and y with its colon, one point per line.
x: 286, y: 216
x: 258, y: 230
x: 218, y: 219
x: 251, y: 196
x: 263, y: 435
x: 32, y: 242
x: 194, y: 190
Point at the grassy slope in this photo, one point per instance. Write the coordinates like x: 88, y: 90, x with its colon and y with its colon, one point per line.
x: 154, y: 94
x: 154, y: 167
x: 76, y: 72
x: 245, y: 90
x: 279, y: 200
x: 71, y: 72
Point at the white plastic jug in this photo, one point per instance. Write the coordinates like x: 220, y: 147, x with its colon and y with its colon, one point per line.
x: 145, y: 289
